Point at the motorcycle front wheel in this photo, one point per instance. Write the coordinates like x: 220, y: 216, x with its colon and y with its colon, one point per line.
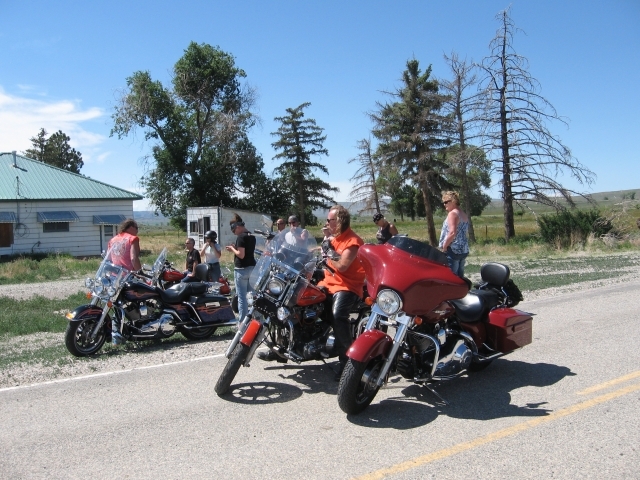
x: 358, y: 385
x: 198, y: 333
x: 78, y: 339
x: 237, y: 358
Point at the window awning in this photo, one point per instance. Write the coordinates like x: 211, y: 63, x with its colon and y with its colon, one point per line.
x: 7, y: 217
x: 108, y: 219
x: 50, y: 217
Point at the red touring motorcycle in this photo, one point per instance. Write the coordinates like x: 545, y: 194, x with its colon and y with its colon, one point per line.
x: 442, y: 329
x: 286, y: 309
x: 144, y: 310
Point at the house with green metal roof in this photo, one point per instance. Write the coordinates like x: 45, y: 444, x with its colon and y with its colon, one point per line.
x: 47, y: 209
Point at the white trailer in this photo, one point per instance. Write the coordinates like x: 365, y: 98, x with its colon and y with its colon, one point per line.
x: 202, y: 219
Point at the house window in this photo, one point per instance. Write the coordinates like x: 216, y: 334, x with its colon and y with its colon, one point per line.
x: 108, y: 231
x: 51, y: 227
x: 6, y: 234
x: 207, y: 224
x: 193, y: 227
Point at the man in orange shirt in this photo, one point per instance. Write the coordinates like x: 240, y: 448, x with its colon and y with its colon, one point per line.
x: 345, y: 283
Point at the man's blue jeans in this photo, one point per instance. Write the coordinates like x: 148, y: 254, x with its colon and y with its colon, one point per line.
x: 241, y: 279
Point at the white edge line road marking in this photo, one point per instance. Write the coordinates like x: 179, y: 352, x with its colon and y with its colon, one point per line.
x: 107, y: 374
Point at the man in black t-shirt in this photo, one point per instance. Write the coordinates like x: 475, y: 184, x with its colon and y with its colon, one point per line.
x: 243, y: 262
x: 192, y: 261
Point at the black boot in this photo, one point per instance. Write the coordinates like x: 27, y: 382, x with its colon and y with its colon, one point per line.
x: 270, y: 356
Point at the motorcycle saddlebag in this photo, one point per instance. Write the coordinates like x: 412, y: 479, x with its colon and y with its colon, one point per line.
x: 509, y: 329
x: 213, y: 308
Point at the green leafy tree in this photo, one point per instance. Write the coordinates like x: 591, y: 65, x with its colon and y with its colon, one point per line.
x: 300, y: 139
x: 526, y: 155
x: 412, y: 132
x: 471, y: 177
x: 55, y: 151
x: 201, y: 155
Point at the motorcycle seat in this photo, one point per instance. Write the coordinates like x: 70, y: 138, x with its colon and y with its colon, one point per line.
x: 181, y: 292
x: 475, y: 305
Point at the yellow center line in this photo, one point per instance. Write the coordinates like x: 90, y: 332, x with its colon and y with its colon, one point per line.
x: 505, y: 432
x: 610, y: 383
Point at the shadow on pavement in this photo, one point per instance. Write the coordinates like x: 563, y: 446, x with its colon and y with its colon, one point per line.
x: 480, y: 396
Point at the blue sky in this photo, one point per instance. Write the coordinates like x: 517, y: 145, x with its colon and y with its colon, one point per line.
x: 64, y: 63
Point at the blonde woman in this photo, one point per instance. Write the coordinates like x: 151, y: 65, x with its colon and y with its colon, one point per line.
x: 453, y: 238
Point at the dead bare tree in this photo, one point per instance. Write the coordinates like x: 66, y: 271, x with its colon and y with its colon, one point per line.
x: 365, y: 189
x: 526, y: 155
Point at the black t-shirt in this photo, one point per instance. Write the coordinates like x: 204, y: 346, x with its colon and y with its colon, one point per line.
x: 193, y: 255
x: 248, y: 242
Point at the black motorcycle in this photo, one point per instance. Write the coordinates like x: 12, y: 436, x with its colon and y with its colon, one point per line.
x: 286, y: 309
x: 143, y: 310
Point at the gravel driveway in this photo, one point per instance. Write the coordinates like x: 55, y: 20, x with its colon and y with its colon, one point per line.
x: 59, y: 289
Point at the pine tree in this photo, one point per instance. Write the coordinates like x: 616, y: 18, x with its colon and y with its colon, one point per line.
x: 300, y: 139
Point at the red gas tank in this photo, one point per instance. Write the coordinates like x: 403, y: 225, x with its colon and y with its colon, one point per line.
x: 311, y: 295
x: 171, y: 275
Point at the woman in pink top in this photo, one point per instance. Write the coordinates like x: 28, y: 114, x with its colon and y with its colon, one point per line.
x: 125, y: 247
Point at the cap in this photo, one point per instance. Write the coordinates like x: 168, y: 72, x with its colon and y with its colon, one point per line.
x: 377, y: 217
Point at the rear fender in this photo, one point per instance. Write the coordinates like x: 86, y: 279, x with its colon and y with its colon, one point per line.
x: 370, y: 344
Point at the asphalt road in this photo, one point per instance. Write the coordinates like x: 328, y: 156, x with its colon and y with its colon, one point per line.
x: 563, y: 407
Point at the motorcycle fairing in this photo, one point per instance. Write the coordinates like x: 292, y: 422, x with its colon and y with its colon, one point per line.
x: 370, y: 344
x: 411, y: 268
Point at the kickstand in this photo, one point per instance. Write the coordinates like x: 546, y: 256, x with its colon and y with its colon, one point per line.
x: 432, y: 390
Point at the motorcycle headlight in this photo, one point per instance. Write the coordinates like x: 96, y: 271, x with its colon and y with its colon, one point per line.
x: 250, y: 299
x: 98, y: 288
x: 283, y: 314
x: 111, y: 290
x: 88, y: 282
x: 275, y: 286
x: 389, y: 302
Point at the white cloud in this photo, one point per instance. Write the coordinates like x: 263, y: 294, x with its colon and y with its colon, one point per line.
x: 22, y: 118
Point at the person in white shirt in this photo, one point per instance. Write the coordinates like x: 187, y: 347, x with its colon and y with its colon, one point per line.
x: 296, y: 235
x: 211, y: 253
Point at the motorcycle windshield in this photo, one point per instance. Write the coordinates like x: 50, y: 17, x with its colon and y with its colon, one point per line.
x: 158, y: 264
x: 108, y: 278
x: 290, y: 251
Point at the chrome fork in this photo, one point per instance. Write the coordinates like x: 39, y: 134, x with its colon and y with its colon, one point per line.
x: 242, y: 326
x: 404, y: 322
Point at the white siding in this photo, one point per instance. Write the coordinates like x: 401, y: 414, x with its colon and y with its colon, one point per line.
x: 83, y: 237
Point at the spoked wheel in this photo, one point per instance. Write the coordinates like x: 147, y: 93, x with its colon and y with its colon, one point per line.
x: 78, y: 339
x: 238, y: 357
x: 358, y: 385
x: 198, y: 333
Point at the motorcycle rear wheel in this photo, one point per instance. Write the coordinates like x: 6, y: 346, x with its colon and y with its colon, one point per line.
x: 238, y: 357
x: 77, y: 337
x: 198, y: 333
x: 358, y: 385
